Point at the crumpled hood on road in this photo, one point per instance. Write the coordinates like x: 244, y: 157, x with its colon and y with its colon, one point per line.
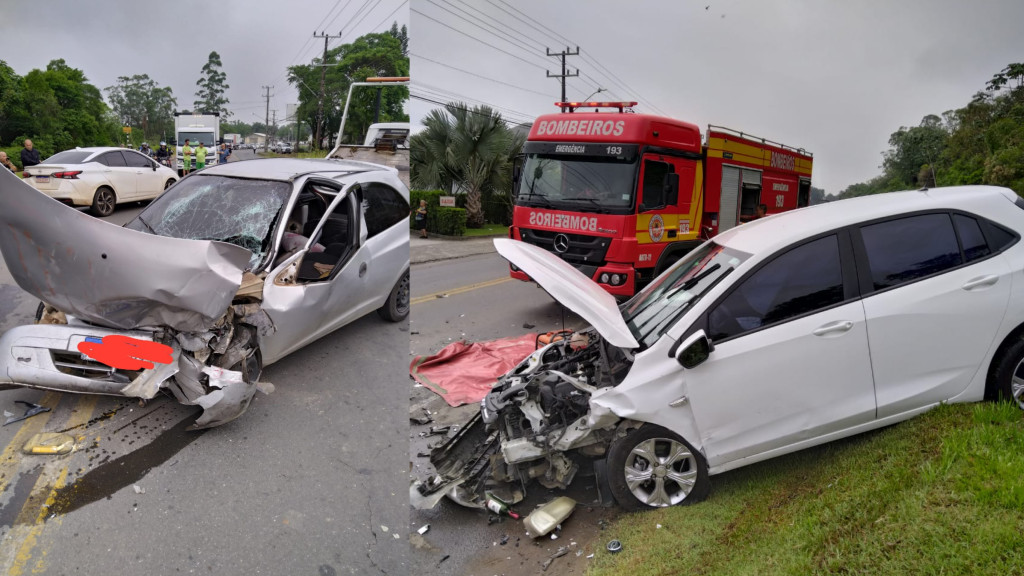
x: 113, y: 276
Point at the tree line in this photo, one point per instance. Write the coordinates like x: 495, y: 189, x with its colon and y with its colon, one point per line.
x: 981, y: 143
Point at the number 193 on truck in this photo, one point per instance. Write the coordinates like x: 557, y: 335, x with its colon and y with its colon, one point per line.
x: 622, y: 196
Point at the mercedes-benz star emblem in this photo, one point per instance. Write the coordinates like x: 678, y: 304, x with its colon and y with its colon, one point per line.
x: 561, y: 243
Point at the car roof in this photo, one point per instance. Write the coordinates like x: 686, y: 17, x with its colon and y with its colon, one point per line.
x: 287, y: 169
x: 780, y: 230
x: 98, y: 149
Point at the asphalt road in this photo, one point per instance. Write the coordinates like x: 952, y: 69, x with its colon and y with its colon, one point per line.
x: 473, y: 298
x: 311, y: 480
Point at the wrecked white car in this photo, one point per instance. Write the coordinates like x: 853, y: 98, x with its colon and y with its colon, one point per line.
x: 228, y: 271
x: 785, y: 333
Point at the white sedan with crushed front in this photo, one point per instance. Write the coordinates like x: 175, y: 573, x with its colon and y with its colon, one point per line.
x: 100, y: 178
x: 781, y: 334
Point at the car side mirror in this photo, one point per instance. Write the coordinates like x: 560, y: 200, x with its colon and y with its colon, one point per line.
x: 694, y: 350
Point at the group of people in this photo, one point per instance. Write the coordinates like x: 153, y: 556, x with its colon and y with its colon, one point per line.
x: 29, y: 157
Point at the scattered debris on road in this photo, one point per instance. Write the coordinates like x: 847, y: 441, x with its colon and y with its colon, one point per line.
x: 549, y: 517
x: 423, y: 529
x: 49, y: 443
x: 561, y: 552
x: 31, y: 411
x: 614, y: 546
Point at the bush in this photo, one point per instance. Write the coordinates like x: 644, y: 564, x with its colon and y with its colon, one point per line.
x: 440, y: 220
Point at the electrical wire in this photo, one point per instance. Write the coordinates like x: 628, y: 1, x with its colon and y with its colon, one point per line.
x: 477, y: 39
x: 518, y: 44
x: 479, y: 75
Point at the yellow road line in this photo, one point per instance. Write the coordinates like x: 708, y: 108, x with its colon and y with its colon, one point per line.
x: 49, y: 486
x: 471, y: 287
x: 10, y: 458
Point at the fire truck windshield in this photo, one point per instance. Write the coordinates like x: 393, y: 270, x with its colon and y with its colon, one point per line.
x: 602, y: 185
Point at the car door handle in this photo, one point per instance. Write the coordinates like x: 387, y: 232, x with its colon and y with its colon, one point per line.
x: 362, y: 269
x: 980, y: 282
x: 833, y: 328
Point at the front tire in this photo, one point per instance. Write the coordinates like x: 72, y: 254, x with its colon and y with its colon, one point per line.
x: 651, y: 467
x: 103, y: 201
x: 1008, y: 377
x: 396, y: 308
x: 169, y: 183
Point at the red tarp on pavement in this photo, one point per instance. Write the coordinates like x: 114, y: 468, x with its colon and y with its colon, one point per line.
x: 464, y: 372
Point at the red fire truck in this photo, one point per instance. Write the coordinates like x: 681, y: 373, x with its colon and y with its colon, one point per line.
x: 622, y: 196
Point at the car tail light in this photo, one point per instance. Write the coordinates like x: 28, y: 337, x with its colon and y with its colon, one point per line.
x: 67, y: 175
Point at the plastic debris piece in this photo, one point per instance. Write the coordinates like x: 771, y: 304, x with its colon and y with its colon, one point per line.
x: 614, y: 546
x: 549, y: 516
x: 49, y: 443
x: 30, y: 411
x: 384, y: 528
x: 504, y: 539
x: 554, y: 536
x: 590, y: 556
x: 423, y: 529
x: 397, y: 537
x: 657, y: 526
x: 561, y: 552
x: 138, y: 489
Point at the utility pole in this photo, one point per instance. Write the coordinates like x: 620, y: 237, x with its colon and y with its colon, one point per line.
x: 323, y: 80
x: 273, y: 120
x: 564, y: 73
x: 266, y: 122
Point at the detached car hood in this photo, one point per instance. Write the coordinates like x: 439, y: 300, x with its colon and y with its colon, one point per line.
x: 113, y: 276
x: 570, y: 288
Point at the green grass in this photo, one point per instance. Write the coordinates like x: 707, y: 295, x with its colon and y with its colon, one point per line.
x: 488, y: 230
x: 939, y: 494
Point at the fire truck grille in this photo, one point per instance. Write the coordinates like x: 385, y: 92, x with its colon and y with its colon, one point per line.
x: 584, y: 252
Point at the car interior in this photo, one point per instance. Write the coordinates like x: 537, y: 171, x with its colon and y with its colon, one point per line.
x: 334, y: 242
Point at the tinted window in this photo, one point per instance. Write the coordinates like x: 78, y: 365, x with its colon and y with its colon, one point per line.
x: 68, y: 157
x: 909, y: 248
x: 971, y: 238
x: 999, y: 238
x: 113, y: 159
x: 383, y: 207
x: 804, y: 279
x: 136, y: 160
x: 654, y: 184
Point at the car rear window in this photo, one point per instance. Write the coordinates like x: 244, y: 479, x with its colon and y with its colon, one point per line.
x: 971, y: 237
x: 68, y: 157
x: 903, y: 250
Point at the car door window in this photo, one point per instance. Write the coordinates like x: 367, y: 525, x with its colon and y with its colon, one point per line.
x: 114, y: 159
x: 903, y: 250
x: 136, y: 160
x: 383, y: 207
x: 971, y: 237
x: 802, y: 280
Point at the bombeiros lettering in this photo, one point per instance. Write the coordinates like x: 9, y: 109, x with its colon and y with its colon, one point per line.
x: 783, y: 161
x: 581, y: 128
x: 565, y: 221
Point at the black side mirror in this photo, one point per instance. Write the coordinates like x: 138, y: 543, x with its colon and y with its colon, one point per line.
x: 694, y: 350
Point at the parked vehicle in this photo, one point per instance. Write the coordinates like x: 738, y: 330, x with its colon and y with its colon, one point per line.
x: 100, y: 177
x: 781, y: 334
x: 197, y: 128
x: 231, y: 270
x: 623, y: 196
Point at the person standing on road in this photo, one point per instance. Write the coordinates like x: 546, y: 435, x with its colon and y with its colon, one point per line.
x: 200, y: 156
x: 421, y: 218
x: 186, y: 152
x: 224, y: 153
x: 29, y: 155
x: 6, y: 162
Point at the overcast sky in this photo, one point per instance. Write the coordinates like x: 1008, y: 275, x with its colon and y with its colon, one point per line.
x: 170, y: 41
x: 836, y: 77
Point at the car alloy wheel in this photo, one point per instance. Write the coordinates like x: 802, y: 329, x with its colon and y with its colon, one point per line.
x: 103, y: 202
x: 1016, y: 387
x: 1006, y: 380
x: 652, y: 467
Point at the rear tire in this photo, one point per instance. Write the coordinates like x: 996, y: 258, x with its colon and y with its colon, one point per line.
x: 1008, y: 377
x: 651, y: 467
x: 103, y: 202
x: 396, y: 308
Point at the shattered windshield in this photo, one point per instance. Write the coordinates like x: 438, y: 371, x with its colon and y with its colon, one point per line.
x: 661, y: 303
x: 233, y: 210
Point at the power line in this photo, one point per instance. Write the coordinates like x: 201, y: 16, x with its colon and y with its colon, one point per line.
x: 479, y: 75
x: 452, y: 96
x: 388, y: 17
x: 444, y: 100
x: 477, y: 39
x: 321, y: 26
x: 438, y: 102
x: 514, y: 41
x: 352, y: 27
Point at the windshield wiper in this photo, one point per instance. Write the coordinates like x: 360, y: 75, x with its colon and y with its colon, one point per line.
x: 146, y: 224
x: 696, y: 279
x: 601, y: 207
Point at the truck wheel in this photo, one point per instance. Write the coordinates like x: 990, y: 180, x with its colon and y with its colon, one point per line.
x: 103, y: 201
x: 651, y: 467
x: 396, y: 308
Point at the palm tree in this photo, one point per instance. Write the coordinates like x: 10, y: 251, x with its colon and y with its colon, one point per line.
x: 465, y: 149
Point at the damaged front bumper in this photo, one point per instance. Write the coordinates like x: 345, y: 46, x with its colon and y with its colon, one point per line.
x: 47, y: 356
